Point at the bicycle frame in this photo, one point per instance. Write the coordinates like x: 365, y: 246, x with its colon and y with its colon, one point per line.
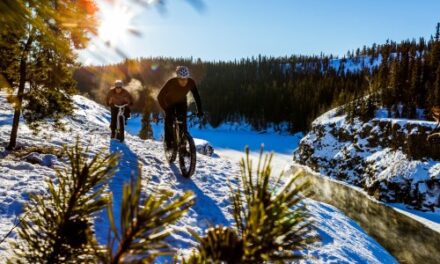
x: 177, y: 123
x: 121, y: 109
x: 183, y: 148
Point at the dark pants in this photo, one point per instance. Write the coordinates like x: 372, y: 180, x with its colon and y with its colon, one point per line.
x: 178, y: 110
x: 114, y: 114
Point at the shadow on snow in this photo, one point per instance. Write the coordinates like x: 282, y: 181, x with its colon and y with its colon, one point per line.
x: 127, y: 170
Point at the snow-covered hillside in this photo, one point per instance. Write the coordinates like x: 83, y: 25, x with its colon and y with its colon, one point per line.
x: 390, y: 158
x: 355, y: 64
x: 343, y: 241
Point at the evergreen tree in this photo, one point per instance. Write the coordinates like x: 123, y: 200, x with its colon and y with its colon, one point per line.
x: 437, y: 32
x: 57, y: 226
x: 146, y: 131
x: 37, y: 41
x: 270, y: 224
x: 435, y: 94
x: 145, y: 224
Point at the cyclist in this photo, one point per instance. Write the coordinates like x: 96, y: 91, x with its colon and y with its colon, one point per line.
x: 172, y: 99
x: 118, y: 96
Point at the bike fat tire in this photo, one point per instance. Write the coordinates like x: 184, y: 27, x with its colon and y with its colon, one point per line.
x: 187, y: 159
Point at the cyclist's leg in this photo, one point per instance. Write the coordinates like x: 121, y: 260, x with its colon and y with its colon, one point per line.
x: 114, y: 120
x: 127, y: 113
x: 168, y: 126
x: 181, y: 116
x: 182, y: 110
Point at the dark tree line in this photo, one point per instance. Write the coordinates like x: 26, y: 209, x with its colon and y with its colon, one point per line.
x: 290, y: 92
x: 262, y: 91
x: 407, y: 80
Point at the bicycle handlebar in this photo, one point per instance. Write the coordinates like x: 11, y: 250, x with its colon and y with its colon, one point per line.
x: 120, y: 106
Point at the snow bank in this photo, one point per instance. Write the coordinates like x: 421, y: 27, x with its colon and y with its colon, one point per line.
x: 203, y: 147
x: 390, y: 158
x: 400, y: 232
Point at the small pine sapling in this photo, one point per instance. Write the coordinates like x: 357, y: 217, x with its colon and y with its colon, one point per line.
x: 57, y: 227
x: 271, y: 223
x: 145, y: 223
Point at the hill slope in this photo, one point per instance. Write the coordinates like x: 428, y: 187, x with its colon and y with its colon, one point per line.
x: 389, y: 158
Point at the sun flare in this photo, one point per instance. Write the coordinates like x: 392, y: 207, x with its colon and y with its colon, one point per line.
x: 115, y: 24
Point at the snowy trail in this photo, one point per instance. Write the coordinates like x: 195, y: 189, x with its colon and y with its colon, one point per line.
x: 127, y: 170
x: 343, y: 241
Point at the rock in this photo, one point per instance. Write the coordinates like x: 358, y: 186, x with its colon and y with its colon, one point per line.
x: 203, y: 147
x: 389, y: 158
x: 47, y: 160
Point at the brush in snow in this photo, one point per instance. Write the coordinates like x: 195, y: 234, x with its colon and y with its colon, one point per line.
x: 271, y: 223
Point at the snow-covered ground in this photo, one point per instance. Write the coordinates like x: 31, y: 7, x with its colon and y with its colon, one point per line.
x: 376, y: 156
x: 343, y: 241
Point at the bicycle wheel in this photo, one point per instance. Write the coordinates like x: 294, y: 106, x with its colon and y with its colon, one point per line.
x: 120, y: 135
x: 170, y: 151
x: 187, y: 155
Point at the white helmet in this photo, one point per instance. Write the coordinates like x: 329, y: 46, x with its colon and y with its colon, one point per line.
x: 119, y: 83
x: 182, y: 72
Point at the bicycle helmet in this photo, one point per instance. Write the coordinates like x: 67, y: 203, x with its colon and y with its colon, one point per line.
x: 119, y: 83
x: 182, y: 72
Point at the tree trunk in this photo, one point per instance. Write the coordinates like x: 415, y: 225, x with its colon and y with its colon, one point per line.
x: 20, y: 92
x: 17, y: 107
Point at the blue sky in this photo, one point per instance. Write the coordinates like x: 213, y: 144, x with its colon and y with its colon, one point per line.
x: 229, y: 29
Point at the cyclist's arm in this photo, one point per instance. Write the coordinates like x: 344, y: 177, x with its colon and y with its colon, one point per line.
x: 108, y: 99
x: 162, y: 95
x: 196, y: 96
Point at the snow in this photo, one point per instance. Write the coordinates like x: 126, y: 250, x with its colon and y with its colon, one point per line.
x: 431, y: 219
x: 342, y: 235
x: 203, y: 147
x: 357, y: 64
x: 360, y: 154
x: 342, y: 239
x: 352, y: 65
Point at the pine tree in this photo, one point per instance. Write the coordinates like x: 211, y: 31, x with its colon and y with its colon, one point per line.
x: 435, y: 94
x: 416, y: 91
x: 37, y: 40
x: 146, y: 129
x: 57, y: 225
x: 270, y: 223
x: 145, y: 224
x: 437, y: 32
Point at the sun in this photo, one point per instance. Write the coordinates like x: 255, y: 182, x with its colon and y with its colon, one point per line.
x: 115, y: 23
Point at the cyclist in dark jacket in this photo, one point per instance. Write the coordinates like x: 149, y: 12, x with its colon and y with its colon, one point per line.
x: 172, y: 99
x: 118, y: 96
